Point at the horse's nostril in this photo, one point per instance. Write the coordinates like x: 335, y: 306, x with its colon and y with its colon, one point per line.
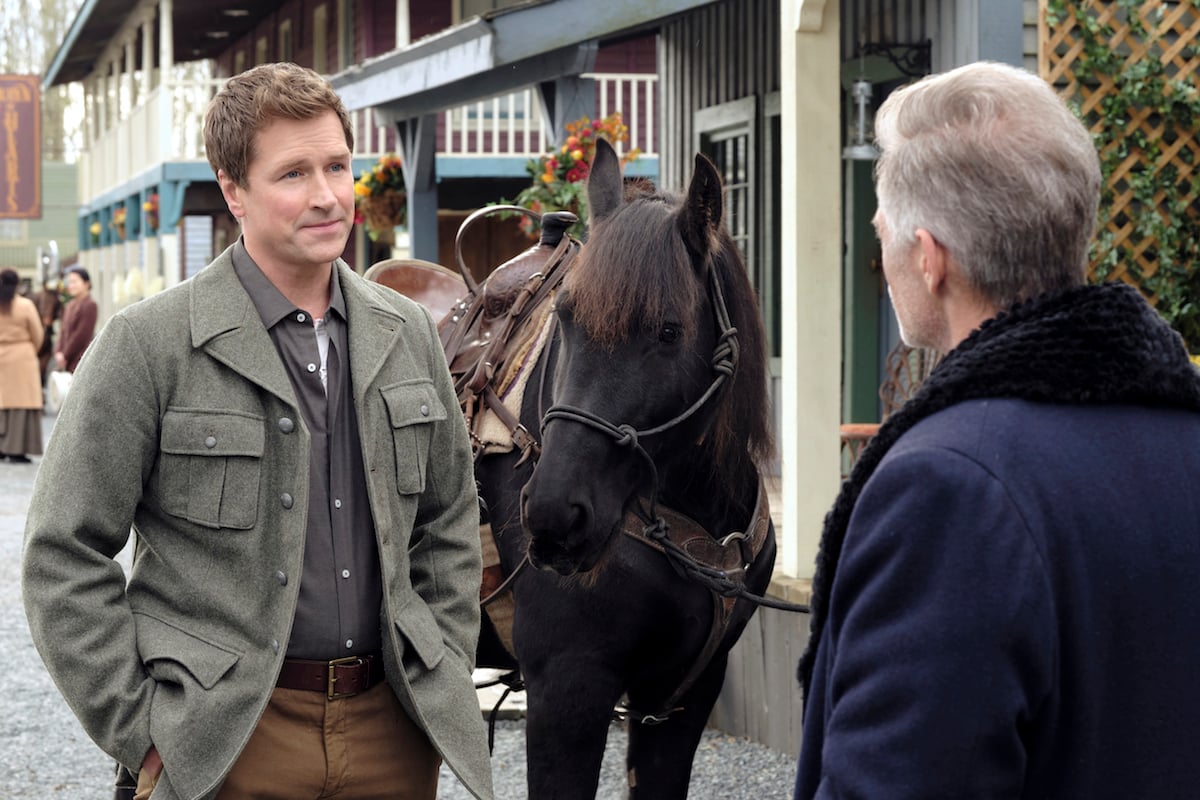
x: 577, y: 518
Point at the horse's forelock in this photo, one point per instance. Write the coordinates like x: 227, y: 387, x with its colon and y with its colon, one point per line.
x: 634, y: 273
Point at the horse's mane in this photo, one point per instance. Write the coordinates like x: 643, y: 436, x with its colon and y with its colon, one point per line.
x: 636, y: 273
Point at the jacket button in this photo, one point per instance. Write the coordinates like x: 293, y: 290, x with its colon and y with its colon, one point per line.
x: 274, y: 645
x: 210, y: 442
x: 286, y: 425
x: 424, y: 413
x: 282, y: 577
x: 286, y: 500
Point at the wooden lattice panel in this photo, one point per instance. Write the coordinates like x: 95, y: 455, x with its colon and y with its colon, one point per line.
x: 1176, y: 29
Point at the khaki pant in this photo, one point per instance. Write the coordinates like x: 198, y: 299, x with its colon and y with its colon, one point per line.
x: 306, y: 746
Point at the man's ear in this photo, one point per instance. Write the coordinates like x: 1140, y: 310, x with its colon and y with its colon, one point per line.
x: 232, y: 194
x: 934, y: 261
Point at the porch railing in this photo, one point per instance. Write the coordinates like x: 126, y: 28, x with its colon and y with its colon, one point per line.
x: 168, y: 126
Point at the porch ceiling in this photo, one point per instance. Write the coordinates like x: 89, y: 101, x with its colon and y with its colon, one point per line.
x: 201, y: 30
x: 499, y: 52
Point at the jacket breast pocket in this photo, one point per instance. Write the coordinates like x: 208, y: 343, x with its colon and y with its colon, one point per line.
x: 413, y: 408
x: 210, y: 464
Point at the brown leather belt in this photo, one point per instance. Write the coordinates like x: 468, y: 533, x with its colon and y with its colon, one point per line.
x: 342, y: 677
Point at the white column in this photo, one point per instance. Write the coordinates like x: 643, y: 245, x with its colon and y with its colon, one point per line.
x: 147, y: 55
x: 403, y: 32
x: 128, y: 80
x: 812, y: 275
x: 166, y: 42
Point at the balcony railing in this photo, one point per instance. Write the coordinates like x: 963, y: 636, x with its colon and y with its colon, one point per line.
x: 168, y: 127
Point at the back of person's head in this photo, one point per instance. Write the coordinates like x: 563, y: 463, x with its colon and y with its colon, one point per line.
x: 251, y: 101
x: 990, y: 161
x: 9, y: 281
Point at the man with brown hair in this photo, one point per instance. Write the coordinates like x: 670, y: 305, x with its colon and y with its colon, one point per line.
x: 301, y: 615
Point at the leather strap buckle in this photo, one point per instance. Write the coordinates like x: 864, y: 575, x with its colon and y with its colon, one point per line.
x: 349, y: 661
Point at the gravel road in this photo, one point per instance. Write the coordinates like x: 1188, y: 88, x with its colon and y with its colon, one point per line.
x: 45, y: 754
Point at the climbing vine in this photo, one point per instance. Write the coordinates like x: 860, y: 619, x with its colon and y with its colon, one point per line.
x: 1133, y: 82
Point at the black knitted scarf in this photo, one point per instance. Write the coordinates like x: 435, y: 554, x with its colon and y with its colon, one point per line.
x: 1089, y: 345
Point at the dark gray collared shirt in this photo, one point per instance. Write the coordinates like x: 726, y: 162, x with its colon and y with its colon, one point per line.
x: 341, y: 587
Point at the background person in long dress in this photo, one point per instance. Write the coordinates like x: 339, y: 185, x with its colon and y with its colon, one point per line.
x: 21, y: 335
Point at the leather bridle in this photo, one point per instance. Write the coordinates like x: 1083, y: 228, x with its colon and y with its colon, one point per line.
x: 724, y: 364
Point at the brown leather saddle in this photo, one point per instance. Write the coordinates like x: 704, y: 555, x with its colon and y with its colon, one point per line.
x: 430, y: 284
x: 487, y: 330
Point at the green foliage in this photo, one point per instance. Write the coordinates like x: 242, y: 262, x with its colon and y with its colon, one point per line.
x: 559, y: 178
x: 1165, y: 211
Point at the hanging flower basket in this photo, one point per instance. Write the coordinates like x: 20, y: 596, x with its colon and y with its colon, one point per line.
x: 150, y: 208
x: 560, y: 177
x: 380, y: 199
x: 118, y: 222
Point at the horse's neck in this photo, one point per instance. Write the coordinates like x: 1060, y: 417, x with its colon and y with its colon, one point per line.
x: 717, y: 500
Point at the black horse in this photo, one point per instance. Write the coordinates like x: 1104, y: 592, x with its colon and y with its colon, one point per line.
x: 654, y: 397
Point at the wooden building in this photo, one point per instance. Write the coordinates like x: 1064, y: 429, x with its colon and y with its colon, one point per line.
x: 767, y: 88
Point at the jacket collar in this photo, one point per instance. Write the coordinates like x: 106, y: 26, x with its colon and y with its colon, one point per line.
x: 225, y: 323
x: 1088, y: 345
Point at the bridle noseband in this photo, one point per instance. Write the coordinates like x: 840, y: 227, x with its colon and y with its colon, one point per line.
x: 724, y: 365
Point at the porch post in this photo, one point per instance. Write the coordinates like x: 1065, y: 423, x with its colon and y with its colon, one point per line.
x: 565, y: 100
x: 417, y: 141
x: 811, y: 245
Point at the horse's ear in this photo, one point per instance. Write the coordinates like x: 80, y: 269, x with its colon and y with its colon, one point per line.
x: 605, y: 187
x: 701, y: 215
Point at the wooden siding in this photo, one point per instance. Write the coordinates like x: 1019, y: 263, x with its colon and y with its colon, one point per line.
x: 720, y: 53
x: 884, y: 22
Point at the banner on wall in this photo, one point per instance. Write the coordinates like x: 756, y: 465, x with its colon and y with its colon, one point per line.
x: 20, y: 147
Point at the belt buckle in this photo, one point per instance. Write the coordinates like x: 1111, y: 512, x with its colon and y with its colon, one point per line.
x: 330, y: 692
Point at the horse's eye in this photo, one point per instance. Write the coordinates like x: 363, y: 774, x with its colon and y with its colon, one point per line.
x: 669, y: 333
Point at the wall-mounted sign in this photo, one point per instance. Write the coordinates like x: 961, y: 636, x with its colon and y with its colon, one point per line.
x: 20, y: 147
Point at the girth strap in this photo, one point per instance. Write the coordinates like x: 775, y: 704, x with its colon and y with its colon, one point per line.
x: 730, y: 557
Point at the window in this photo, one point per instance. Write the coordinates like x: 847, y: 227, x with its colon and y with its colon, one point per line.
x: 239, y: 62
x: 12, y: 230
x: 261, y: 50
x: 729, y: 135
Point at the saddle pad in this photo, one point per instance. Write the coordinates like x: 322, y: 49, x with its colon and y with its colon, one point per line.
x: 510, y: 387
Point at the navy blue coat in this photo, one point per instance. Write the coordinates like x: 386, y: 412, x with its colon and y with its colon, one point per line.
x: 1016, y: 612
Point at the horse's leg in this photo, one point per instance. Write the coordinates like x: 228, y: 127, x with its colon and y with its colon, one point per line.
x: 569, y: 711
x: 659, y: 759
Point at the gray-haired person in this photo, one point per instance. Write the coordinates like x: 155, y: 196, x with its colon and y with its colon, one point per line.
x: 1005, y: 600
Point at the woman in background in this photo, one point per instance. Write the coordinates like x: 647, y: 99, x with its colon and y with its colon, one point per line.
x: 78, y: 320
x: 21, y: 333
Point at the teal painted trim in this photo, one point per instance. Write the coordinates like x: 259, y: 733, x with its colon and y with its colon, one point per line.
x: 360, y: 165
x: 482, y: 167
x: 182, y: 171
x: 170, y: 204
x: 188, y: 171
x: 643, y: 167
x: 450, y: 166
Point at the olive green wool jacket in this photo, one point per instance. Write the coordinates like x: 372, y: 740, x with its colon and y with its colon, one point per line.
x: 174, y: 426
